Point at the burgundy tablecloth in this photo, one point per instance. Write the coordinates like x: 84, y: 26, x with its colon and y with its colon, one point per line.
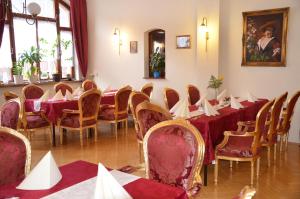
x: 79, y: 171
x: 108, y: 97
x: 212, y: 128
x: 53, y: 109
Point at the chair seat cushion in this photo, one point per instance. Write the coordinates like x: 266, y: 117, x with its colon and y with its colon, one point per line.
x: 108, y: 113
x: 36, y: 121
x: 237, y: 147
x: 73, y: 122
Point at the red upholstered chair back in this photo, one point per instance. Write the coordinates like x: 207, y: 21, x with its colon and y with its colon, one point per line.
x: 147, y: 89
x: 193, y: 93
x: 260, y: 126
x: 171, y: 97
x: 8, y: 95
x: 287, y: 119
x: 88, y: 104
x: 174, y: 153
x: 63, y: 87
x: 10, y: 114
x: 15, y: 156
x: 88, y: 85
x: 135, y: 99
x: 121, y: 100
x: 275, y: 116
x: 148, y: 115
x: 32, y: 91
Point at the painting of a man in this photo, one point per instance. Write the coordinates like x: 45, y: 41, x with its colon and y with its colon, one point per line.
x: 264, y: 38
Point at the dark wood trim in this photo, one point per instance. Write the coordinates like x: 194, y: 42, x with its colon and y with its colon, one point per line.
x: 11, y: 32
x: 57, y: 13
x: 65, y: 29
x: 64, y: 4
x: 26, y: 16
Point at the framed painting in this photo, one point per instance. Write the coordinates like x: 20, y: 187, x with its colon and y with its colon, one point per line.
x: 133, y: 46
x: 264, y: 37
x: 183, y: 41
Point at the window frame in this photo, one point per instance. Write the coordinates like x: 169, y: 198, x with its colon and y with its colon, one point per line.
x: 9, y: 20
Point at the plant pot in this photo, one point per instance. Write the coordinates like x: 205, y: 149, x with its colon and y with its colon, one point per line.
x: 18, y: 79
x: 156, y: 74
x: 56, y: 77
x: 33, y: 78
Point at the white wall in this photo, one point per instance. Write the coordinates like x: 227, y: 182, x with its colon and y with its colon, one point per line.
x: 134, y: 17
x: 262, y: 81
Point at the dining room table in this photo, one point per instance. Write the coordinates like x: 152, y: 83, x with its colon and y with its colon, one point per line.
x: 78, y: 181
x: 53, y: 109
x: 212, y: 127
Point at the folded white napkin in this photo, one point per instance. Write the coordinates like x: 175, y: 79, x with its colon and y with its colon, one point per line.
x: 209, y: 110
x: 107, y: 187
x: 44, y: 175
x: 251, y: 98
x: 176, y: 106
x: 37, y: 103
x: 69, y: 95
x: 44, y: 97
x: 201, y: 100
x: 234, y: 103
x: 77, y: 91
x: 107, y: 89
x: 182, y: 110
x: 58, y: 96
x: 222, y: 96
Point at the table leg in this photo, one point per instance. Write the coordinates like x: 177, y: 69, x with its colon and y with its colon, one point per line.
x: 205, y: 175
x: 53, y: 135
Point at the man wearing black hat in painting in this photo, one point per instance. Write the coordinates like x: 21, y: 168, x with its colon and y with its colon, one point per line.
x: 268, y: 46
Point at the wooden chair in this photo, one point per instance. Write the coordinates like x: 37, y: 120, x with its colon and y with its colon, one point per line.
x: 147, y: 115
x: 83, y: 118
x: 8, y: 95
x: 193, y: 94
x: 147, y: 89
x: 171, y: 97
x: 245, y: 147
x: 286, y: 119
x: 32, y: 91
x: 63, y: 87
x: 10, y: 114
x: 174, y: 154
x: 88, y: 85
x: 15, y: 156
x: 119, y: 111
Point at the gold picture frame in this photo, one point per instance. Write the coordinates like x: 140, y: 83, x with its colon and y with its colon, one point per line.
x: 265, y: 37
x: 133, y: 46
x: 183, y: 41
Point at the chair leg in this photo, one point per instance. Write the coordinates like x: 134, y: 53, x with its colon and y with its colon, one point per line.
x: 95, y: 129
x: 269, y: 156
x: 230, y: 164
x: 126, y: 126
x: 252, y: 172
x: 281, y: 143
x: 140, y: 147
x: 60, y: 132
x: 116, y: 129
x: 286, y: 140
x: 81, y: 137
x: 87, y: 131
x: 275, y: 152
x: 216, y: 170
x: 257, y: 167
x: 50, y: 135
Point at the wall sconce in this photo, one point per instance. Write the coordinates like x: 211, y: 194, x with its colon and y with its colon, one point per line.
x: 117, y: 38
x: 204, y: 28
x: 34, y: 10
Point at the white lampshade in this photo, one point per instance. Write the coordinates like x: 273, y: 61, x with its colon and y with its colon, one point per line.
x: 34, y: 8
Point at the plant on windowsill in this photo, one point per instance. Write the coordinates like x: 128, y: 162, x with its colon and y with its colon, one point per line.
x: 17, y: 71
x: 215, y: 83
x: 32, y: 57
x: 157, y: 63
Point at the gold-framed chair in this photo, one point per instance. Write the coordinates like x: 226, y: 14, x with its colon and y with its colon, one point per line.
x: 243, y: 146
x: 63, y: 87
x: 147, y: 89
x: 11, y: 114
x: 286, y: 119
x: 118, y: 112
x: 193, y: 94
x: 15, y: 156
x: 32, y: 91
x: 147, y: 115
x: 171, y: 97
x: 174, y: 154
x: 83, y: 118
x: 88, y: 85
x: 8, y: 95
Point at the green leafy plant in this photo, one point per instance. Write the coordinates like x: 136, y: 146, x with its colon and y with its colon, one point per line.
x: 32, y: 57
x: 17, y: 68
x: 157, y: 60
x: 215, y: 82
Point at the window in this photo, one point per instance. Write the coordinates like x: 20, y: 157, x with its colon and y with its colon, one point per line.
x: 53, y: 36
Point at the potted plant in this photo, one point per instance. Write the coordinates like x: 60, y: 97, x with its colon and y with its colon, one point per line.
x: 157, y: 62
x: 32, y: 57
x: 215, y: 83
x: 17, y: 71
